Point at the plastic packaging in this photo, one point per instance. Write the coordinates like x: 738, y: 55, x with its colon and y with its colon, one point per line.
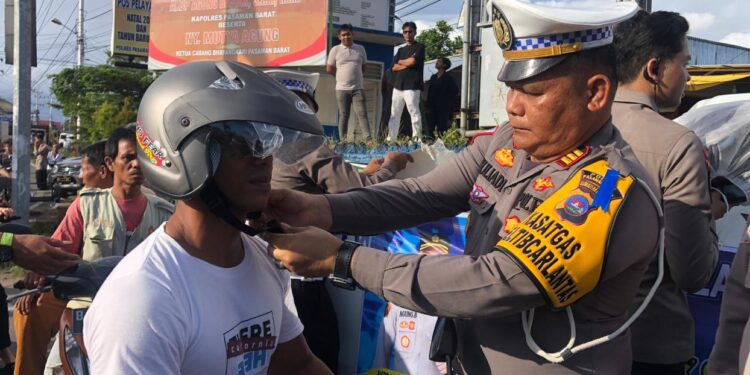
x: 723, y: 124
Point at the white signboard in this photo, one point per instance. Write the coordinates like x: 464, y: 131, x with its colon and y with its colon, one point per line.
x: 365, y: 14
x: 492, y: 93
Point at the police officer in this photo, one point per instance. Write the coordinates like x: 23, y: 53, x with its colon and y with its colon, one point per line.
x: 652, y: 68
x: 549, y: 268
x: 325, y: 171
x: 730, y: 353
x: 319, y: 172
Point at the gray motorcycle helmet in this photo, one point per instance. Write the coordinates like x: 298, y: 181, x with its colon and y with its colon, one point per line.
x: 188, y: 105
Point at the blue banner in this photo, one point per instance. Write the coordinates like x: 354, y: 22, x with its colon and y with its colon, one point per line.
x: 705, y: 305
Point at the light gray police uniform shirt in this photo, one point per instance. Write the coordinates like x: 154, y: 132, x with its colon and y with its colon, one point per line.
x: 487, y: 290
x: 324, y: 171
x: 673, y: 158
x: 730, y: 353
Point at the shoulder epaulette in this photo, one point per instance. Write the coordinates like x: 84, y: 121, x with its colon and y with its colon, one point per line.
x: 488, y: 132
x: 574, y: 156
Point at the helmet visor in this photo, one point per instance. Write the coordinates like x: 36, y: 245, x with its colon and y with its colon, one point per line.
x: 261, y: 140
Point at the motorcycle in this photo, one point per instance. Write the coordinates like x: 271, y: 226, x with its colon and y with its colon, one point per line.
x: 78, y: 284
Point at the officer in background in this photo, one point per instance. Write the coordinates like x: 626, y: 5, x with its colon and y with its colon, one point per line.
x: 652, y: 59
x: 323, y: 171
x: 731, y: 352
x: 543, y: 191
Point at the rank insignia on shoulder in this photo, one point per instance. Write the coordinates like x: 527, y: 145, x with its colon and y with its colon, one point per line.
x: 504, y: 157
x: 510, y: 223
x: 543, y: 183
x: 477, y: 194
x: 574, y: 157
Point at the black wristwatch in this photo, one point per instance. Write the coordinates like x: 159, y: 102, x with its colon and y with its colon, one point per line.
x: 342, y: 271
x: 6, y: 247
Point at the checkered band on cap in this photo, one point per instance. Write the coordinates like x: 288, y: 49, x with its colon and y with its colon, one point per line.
x: 588, y: 39
x: 295, y: 84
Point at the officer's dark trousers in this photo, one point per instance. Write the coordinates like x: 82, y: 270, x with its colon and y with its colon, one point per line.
x: 641, y: 368
x: 316, y: 312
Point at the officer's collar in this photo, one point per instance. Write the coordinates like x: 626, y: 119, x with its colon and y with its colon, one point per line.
x: 602, y: 137
x: 636, y: 97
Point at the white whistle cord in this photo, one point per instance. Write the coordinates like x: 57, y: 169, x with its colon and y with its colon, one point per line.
x: 527, y: 317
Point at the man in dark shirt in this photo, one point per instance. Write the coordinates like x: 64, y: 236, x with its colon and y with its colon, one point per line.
x: 408, y: 66
x: 441, y: 96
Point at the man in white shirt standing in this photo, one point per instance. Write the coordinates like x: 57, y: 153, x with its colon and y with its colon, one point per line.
x: 54, y: 156
x: 347, y: 61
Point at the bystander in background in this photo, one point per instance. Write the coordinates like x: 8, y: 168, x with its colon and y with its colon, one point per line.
x: 441, y: 94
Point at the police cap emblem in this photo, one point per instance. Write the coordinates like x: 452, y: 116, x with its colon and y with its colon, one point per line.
x: 501, y: 27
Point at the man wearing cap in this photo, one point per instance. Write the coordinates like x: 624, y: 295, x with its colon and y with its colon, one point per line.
x: 543, y: 193
x: 347, y: 61
x: 652, y: 59
x: 323, y: 171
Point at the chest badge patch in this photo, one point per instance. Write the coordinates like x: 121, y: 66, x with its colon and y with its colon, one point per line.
x: 477, y: 194
x: 594, y: 190
x: 510, y: 223
x: 504, y: 157
x: 543, y: 183
x: 574, y: 209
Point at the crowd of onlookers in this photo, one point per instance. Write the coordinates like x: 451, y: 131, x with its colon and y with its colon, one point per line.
x: 402, y: 86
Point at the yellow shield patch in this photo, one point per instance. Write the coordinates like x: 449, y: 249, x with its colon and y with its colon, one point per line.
x: 562, y: 245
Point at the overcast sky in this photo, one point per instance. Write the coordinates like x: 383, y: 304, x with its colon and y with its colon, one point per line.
x: 725, y: 21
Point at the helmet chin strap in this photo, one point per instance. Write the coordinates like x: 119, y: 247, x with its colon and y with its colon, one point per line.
x: 218, y: 205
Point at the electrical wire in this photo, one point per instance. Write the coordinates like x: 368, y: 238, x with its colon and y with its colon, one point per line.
x: 34, y: 84
x: 98, y: 15
x: 414, y: 2
x: 414, y: 11
x: 58, y: 35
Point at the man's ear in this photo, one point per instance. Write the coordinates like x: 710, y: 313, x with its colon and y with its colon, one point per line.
x: 103, y: 170
x: 109, y: 163
x: 599, y: 88
x: 651, y: 70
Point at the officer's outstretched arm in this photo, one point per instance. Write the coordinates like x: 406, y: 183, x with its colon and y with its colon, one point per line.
x: 572, y: 244
x: 398, y: 204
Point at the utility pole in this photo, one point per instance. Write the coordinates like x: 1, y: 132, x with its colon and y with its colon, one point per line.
x: 20, y: 193
x: 79, y: 42
x: 644, y: 4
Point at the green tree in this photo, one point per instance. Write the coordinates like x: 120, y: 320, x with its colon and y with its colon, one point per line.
x: 108, y: 117
x: 437, y: 41
x: 103, y: 96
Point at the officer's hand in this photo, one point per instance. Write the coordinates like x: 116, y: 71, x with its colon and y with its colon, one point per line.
x: 306, y: 251
x: 397, y: 160
x: 42, y: 255
x: 26, y: 303
x: 719, y: 207
x: 299, y: 209
x: 373, y: 166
